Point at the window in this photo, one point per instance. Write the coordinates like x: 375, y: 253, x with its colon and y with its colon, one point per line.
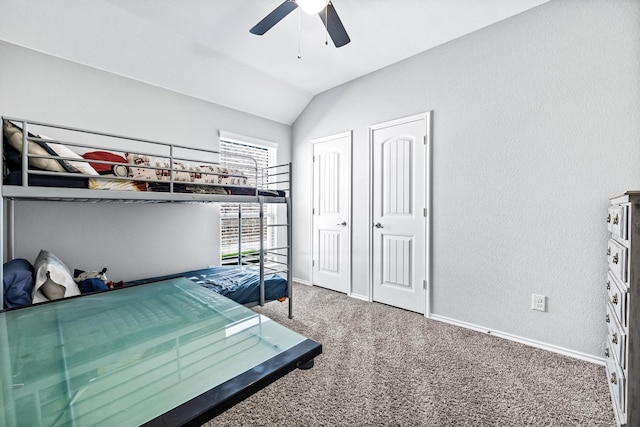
x: 265, y: 155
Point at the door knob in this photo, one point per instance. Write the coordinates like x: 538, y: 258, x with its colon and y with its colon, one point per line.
x: 343, y: 223
x: 378, y: 225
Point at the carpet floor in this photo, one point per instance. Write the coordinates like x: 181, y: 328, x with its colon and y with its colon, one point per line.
x: 383, y: 366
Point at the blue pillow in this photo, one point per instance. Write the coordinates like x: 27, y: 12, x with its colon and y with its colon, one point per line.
x: 18, y: 283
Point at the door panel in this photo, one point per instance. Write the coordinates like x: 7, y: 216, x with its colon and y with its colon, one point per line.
x: 328, y: 181
x: 328, y: 251
x: 397, y: 268
x: 331, y: 265
x: 399, y: 223
x: 397, y: 175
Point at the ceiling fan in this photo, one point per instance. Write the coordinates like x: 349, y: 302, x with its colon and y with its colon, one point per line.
x: 323, y: 8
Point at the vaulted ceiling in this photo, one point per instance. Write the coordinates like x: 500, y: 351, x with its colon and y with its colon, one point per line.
x: 203, y: 48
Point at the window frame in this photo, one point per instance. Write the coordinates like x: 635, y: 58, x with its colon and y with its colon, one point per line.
x: 229, y: 211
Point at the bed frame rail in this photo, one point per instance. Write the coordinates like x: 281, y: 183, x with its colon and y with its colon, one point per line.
x: 169, y: 172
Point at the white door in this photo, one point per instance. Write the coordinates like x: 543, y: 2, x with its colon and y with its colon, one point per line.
x: 331, y: 241
x: 400, y: 202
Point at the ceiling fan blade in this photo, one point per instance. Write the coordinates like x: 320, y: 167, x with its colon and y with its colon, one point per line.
x: 274, y: 17
x: 334, y: 26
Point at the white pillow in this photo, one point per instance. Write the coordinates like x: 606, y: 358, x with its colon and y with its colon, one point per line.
x: 50, y: 284
x: 13, y: 135
x: 80, y: 166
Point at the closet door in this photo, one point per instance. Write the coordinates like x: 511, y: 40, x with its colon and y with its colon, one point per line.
x: 399, y: 212
x: 331, y: 241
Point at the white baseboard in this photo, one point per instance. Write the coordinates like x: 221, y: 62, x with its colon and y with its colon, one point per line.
x: 352, y: 295
x: 361, y: 297
x: 533, y: 343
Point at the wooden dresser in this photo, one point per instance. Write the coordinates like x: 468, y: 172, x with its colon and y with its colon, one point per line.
x: 622, y: 348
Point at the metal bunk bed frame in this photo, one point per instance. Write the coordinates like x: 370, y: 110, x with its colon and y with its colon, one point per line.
x: 263, y: 180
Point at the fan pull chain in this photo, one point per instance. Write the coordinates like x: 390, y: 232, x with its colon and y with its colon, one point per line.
x: 299, y: 31
x: 326, y: 29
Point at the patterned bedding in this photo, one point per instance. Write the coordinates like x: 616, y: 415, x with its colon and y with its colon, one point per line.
x: 158, y: 168
x: 107, y: 170
x: 239, y: 283
x: 147, y: 176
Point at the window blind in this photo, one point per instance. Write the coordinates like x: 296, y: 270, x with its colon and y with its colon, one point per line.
x: 264, y: 156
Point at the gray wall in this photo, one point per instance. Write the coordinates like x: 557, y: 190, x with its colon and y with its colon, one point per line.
x: 535, y: 127
x: 132, y: 240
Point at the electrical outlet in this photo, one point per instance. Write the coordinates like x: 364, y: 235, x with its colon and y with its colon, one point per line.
x: 538, y: 302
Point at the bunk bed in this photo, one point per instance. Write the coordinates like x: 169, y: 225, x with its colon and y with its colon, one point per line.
x: 173, y: 340
x: 137, y: 170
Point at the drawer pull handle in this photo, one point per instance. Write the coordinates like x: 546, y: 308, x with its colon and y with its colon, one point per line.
x: 615, y: 338
x: 614, y: 379
x: 615, y: 259
x: 608, y: 284
x: 606, y: 352
x: 616, y: 219
x: 609, y: 218
x: 608, y: 319
x: 614, y: 299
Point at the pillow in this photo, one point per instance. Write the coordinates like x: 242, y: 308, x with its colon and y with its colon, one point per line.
x: 105, y: 156
x: 50, y: 289
x: 13, y: 135
x: 12, y: 144
x: 79, y: 166
x: 17, y: 282
x: 52, y: 279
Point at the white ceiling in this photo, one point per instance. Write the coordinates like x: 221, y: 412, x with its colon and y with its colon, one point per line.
x: 203, y: 48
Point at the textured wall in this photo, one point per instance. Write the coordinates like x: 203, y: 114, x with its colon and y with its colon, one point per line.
x: 535, y: 126
x: 39, y: 87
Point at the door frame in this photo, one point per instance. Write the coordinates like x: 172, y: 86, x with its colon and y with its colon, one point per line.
x: 347, y: 134
x: 428, y: 118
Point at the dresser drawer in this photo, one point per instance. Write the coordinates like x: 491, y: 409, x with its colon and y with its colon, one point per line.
x: 618, y: 388
x: 617, y: 338
x: 617, y: 259
x: 617, y: 221
x: 618, y: 298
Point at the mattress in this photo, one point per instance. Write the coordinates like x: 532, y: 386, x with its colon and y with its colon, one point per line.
x: 239, y: 283
x: 15, y: 178
x: 65, y: 181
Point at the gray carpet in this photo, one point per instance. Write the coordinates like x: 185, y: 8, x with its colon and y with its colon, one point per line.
x: 383, y: 366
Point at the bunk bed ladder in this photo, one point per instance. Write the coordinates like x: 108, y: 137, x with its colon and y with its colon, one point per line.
x: 239, y: 234
x: 262, y: 257
x: 263, y: 251
x: 289, y: 265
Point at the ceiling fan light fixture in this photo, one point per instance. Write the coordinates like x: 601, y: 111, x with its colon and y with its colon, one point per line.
x: 323, y: 8
x: 311, y: 6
